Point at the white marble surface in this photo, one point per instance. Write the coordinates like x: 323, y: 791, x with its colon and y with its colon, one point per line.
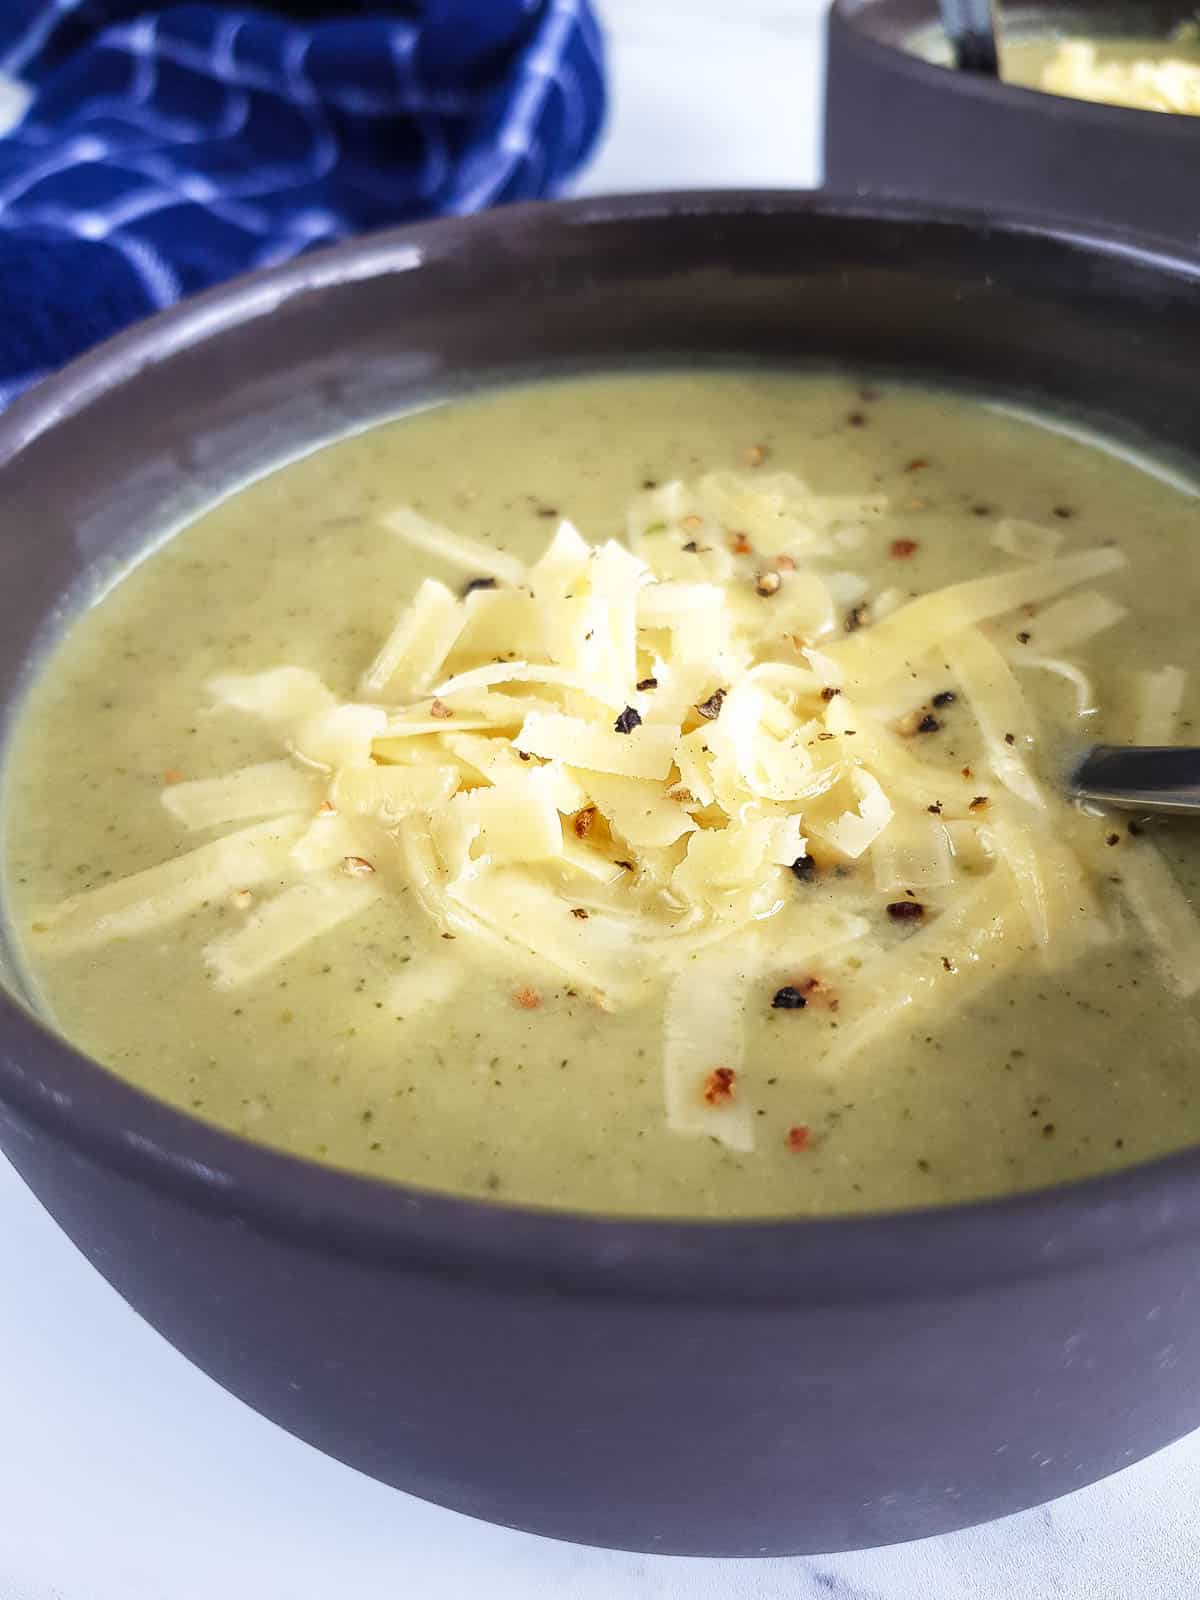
x: 127, y: 1475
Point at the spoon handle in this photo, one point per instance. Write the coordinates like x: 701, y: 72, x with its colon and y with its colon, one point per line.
x: 970, y: 28
x: 1140, y: 777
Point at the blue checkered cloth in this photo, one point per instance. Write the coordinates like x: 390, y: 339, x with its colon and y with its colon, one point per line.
x: 167, y: 146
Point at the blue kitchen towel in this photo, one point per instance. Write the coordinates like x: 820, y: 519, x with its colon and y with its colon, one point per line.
x: 167, y: 146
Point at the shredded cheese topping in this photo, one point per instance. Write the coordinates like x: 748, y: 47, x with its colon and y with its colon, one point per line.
x: 610, y: 768
x: 1164, y: 84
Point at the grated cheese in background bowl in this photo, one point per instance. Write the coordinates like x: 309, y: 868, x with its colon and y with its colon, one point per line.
x: 669, y: 769
x: 1147, y: 84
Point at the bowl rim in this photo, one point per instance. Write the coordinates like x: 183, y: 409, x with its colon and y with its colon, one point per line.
x: 56, y: 1090
x: 844, y: 15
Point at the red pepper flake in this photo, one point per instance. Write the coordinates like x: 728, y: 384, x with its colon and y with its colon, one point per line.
x: 580, y: 912
x: 628, y: 721
x: 947, y: 964
x: 979, y: 803
x: 584, y: 819
x: 440, y: 710
x: 901, y: 549
x: 357, y: 866
x: 718, y: 1086
x: 905, y: 910
x: 740, y: 545
x: 819, y: 994
x: 525, y: 755
x: 327, y: 809
x: 918, y: 464
x: 966, y: 772
x: 628, y: 865
x: 710, y: 709
x: 788, y: 998
x: 172, y: 775
x: 527, y: 999
x: 693, y: 523
x: 755, y: 455
x: 827, y: 694
x: 796, y: 1138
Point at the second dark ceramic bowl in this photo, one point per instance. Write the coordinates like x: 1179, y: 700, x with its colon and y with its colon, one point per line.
x: 708, y: 1388
x: 896, y: 123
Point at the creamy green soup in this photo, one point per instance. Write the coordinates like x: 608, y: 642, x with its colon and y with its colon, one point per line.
x: 1047, y: 1062
x: 1144, y: 73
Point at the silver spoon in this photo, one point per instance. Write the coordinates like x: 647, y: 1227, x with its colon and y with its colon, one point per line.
x: 1139, y: 777
x: 971, y: 31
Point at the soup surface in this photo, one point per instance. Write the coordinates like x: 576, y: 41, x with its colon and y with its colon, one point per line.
x: 1144, y: 73
x: 956, y: 986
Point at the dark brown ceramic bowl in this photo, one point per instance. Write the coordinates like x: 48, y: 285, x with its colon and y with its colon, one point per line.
x: 898, y: 123
x: 735, y: 1388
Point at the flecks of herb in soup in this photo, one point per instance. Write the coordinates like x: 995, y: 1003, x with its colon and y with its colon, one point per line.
x: 546, y: 1104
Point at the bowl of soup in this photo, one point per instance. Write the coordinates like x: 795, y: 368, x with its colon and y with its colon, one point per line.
x: 1092, y: 116
x: 545, y: 947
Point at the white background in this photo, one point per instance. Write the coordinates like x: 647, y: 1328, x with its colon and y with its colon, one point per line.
x: 127, y: 1475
